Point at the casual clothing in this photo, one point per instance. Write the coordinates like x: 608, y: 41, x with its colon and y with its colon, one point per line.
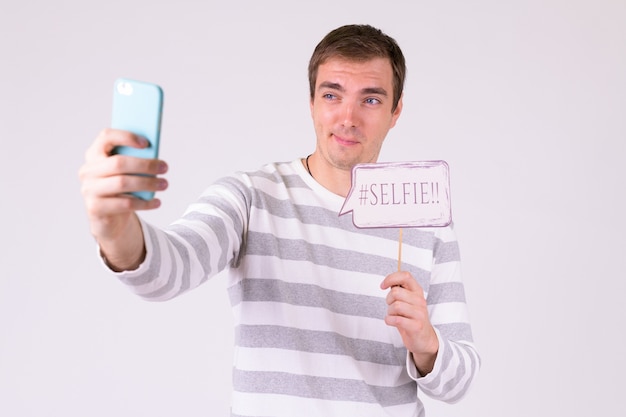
x: 304, y: 285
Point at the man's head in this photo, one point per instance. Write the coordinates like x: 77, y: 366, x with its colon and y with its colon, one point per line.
x: 359, y: 43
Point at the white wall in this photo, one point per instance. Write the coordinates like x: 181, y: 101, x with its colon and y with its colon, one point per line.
x: 526, y: 100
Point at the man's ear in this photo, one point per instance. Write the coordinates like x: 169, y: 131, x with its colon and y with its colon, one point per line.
x: 396, y: 113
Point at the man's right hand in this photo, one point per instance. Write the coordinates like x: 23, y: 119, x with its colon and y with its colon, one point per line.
x: 106, y: 180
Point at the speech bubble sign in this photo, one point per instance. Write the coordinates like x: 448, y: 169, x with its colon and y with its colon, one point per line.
x: 400, y: 194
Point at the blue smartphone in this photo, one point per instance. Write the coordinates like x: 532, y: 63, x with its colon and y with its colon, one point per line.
x: 138, y: 108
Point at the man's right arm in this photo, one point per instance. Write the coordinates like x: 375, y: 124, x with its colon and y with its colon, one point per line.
x: 106, y: 179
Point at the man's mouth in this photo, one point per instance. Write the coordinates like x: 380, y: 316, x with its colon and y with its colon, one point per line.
x: 345, y: 141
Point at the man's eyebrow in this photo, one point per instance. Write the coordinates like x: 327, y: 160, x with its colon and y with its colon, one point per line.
x: 331, y: 85
x: 375, y: 90
x: 368, y: 90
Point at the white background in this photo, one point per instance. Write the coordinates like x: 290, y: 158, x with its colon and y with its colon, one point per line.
x: 526, y: 101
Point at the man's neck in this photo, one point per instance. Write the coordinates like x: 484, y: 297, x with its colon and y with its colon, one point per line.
x: 335, y: 180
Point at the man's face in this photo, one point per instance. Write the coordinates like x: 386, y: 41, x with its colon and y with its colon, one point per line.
x: 351, y: 110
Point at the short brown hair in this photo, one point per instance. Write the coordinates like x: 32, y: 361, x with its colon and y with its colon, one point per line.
x: 359, y: 43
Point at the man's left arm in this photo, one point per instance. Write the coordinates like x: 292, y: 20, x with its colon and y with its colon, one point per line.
x: 435, y: 327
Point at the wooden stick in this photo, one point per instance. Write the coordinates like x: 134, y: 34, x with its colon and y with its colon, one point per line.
x: 400, y: 250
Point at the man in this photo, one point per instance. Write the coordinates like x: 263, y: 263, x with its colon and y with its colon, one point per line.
x: 324, y: 327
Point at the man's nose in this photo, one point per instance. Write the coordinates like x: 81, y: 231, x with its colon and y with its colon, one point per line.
x: 349, y: 114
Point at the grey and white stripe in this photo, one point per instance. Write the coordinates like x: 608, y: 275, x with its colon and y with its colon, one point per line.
x: 304, y: 286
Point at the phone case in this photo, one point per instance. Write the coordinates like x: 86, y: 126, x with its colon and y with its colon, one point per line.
x: 138, y: 107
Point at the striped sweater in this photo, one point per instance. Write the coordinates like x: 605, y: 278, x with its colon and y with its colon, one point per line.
x: 304, y: 285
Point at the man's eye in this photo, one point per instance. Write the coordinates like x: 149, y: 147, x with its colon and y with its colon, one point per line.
x: 372, y: 100
x: 329, y: 96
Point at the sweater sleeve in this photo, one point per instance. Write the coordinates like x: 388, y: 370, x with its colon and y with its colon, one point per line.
x: 203, y: 242
x: 458, y: 361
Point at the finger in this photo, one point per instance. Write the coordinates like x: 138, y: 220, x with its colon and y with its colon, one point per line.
x: 396, y: 293
x: 401, y: 301
x: 114, y: 186
x: 398, y: 321
x: 407, y: 305
x: 122, y: 204
x: 402, y: 279
x: 120, y: 165
x: 407, y: 325
x: 109, y: 138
